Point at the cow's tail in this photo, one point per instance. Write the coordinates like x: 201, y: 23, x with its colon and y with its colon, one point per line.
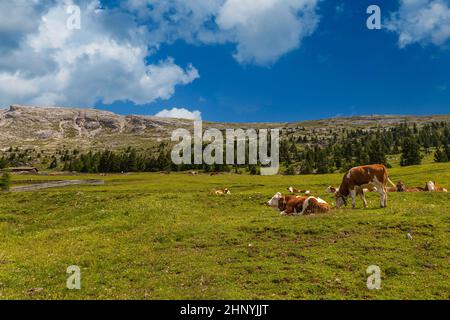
x: 390, y: 181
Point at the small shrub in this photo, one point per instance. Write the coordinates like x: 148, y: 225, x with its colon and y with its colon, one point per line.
x: 5, y: 181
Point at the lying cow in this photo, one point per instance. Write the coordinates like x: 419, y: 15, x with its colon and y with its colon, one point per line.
x: 401, y: 187
x: 297, y: 205
x: 358, y: 177
x: 293, y: 190
x: 431, y: 186
x: 221, y: 192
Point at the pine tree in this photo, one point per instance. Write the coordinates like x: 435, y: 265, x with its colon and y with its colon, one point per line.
x: 53, y: 164
x: 376, y: 152
x: 440, y: 156
x: 307, y: 167
x: 3, y: 162
x: 447, y: 151
x: 410, y: 152
x: 322, y: 162
x: 252, y: 168
x: 290, y: 170
x: 5, y: 180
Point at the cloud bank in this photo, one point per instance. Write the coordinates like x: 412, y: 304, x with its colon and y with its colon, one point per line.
x: 263, y: 30
x: 42, y: 62
x: 421, y: 21
x: 45, y: 63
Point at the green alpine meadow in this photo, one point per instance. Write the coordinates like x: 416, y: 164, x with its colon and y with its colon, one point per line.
x: 167, y: 236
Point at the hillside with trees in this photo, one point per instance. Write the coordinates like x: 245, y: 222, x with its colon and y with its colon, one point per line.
x: 335, y: 151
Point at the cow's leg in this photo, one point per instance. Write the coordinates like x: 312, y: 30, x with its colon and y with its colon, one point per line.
x: 297, y: 212
x: 383, y: 195
x: 363, y: 198
x: 304, y: 207
x: 353, y: 195
x: 289, y: 210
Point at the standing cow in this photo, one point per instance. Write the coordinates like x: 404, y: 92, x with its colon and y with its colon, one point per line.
x: 358, y: 178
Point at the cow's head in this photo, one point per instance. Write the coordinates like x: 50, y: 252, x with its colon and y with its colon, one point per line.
x: 431, y: 186
x: 340, y: 200
x: 291, y: 189
x: 331, y: 189
x: 226, y: 191
x: 401, y: 187
x: 275, y: 201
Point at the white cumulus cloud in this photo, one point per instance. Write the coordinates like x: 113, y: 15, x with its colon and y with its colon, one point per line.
x: 106, y: 60
x: 267, y: 29
x: 421, y: 21
x: 110, y: 58
x: 262, y: 30
x: 180, y: 113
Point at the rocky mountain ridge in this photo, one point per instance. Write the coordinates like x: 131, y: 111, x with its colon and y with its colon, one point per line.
x: 53, y: 127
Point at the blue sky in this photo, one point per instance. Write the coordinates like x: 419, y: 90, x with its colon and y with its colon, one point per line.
x: 208, y: 60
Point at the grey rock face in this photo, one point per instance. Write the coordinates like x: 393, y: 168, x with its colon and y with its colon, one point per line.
x: 55, y: 126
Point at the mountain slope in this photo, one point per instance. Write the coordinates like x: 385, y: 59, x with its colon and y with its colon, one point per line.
x: 53, y: 127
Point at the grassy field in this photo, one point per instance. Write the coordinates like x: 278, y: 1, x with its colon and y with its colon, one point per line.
x: 149, y: 236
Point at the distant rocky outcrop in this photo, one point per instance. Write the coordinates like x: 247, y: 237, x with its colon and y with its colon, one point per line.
x: 35, y: 126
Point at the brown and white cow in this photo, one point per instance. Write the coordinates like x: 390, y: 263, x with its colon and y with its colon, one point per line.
x: 401, y: 187
x: 221, y: 192
x: 375, y: 175
x: 293, y: 190
x: 297, y: 205
x: 431, y: 186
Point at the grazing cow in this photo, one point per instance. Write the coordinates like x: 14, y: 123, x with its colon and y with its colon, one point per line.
x: 293, y: 190
x: 214, y: 173
x: 431, y: 186
x: 221, y: 192
x: 375, y: 174
x: 192, y: 173
x: 297, y: 205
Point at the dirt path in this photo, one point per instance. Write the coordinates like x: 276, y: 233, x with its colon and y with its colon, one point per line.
x: 56, y: 184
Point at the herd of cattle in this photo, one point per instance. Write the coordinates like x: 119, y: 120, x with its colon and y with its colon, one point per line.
x: 355, y: 183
